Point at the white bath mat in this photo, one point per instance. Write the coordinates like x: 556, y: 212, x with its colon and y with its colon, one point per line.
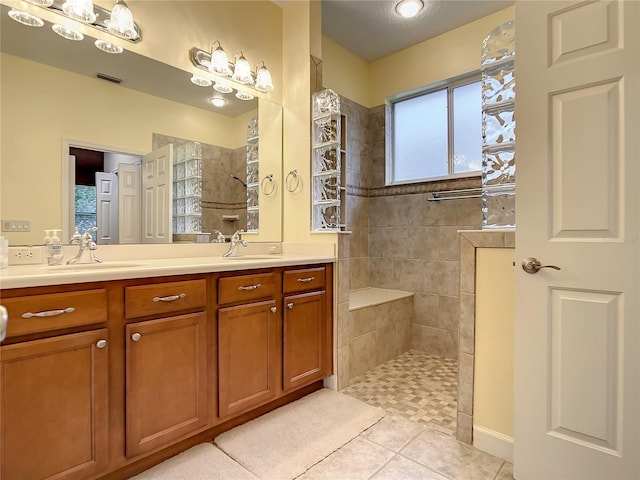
x: 202, y: 462
x: 288, y: 441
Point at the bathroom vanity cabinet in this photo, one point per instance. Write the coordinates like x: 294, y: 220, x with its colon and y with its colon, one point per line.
x: 119, y: 375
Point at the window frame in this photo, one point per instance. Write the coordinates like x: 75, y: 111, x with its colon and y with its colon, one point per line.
x: 449, y: 85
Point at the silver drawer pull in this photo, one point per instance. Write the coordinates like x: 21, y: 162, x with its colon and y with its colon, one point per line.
x: 101, y: 343
x: 170, y: 298
x: 305, y: 280
x: 250, y: 287
x: 49, y: 313
x: 136, y: 337
x: 290, y: 305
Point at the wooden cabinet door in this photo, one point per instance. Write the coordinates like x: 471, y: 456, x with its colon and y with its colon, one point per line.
x: 54, y: 418
x: 247, y: 370
x: 167, y: 379
x: 304, y: 339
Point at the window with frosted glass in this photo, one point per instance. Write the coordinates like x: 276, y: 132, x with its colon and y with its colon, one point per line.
x: 436, y: 134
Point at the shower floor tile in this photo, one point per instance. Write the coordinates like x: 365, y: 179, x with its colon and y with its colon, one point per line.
x: 415, y: 385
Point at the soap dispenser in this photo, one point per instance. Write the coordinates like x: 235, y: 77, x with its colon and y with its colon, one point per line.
x: 54, y: 247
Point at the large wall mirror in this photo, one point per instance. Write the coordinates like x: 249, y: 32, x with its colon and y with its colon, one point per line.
x: 65, y: 119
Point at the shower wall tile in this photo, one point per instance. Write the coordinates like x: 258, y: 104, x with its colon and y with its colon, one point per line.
x: 404, y: 334
x: 343, y: 367
x: 467, y: 323
x: 359, y: 273
x: 426, y: 309
x: 362, y: 354
x: 443, y: 343
x: 407, y: 275
x: 342, y: 325
x: 344, y: 246
x: 464, y: 428
x: 423, y: 243
x: 387, y: 345
x: 359, y: 242
x: 381, y: 272
x: 361, y: 321
x: 441, y: 277
x: 344, y: 276
x: 465, y: 383
x: 448, y: 313
x: 467, y: 265
x: 388, y: 242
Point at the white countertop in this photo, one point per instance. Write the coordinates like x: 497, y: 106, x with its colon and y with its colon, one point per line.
x: 128, y: 268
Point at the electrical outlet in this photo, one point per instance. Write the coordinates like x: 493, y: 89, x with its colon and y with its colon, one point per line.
x: 274, y: 248
x: 25, y: 255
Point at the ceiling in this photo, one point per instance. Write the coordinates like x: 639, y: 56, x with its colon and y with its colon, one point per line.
x: 371, y: 29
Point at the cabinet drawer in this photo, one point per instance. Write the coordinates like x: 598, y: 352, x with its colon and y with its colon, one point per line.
x: 55, y: 311
x: 152, y: 299
x: 304, y: 279
x: 246, y: 287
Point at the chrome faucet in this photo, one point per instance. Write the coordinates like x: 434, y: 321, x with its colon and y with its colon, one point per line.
x: 220, y: 238
x: 84, y: 241
x: 236, y: 240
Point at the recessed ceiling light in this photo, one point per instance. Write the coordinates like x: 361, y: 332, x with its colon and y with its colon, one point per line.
x: 244, y: 96
x: 218, y: 102
x: 67, y: 33
x: 222, y: 88
x: 409, y: 8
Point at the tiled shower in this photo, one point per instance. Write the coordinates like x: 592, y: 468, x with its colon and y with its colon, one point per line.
x: 401, y: 241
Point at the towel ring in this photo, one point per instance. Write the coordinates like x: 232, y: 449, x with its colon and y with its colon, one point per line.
x: 296, y: 178
x: 264, y: 185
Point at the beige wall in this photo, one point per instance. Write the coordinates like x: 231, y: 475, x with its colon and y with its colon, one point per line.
x: 446, y: 56
x: 493, y: 382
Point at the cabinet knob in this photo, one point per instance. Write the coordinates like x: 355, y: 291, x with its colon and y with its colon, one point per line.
x: 101, y: 343
x: 136, y: 337
x: 290, y: 305
x: 274, y: 309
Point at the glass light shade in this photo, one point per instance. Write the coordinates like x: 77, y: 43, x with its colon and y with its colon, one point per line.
x: 108, y: 47
x: 201, y: 81
x: 263, y: 79
x: 218, y: 102
x: 219, y: 62
x: 409, y: 8
x: 81, y: 10
x: 68, y: 33
x: 121, y: 21
x: 244, y: 96
x: 25, y: 18
x: 41, y: 3
x: 242, y: 71
x: 222, y: 88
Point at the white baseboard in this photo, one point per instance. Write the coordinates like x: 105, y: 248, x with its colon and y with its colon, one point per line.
x: 493, y: 442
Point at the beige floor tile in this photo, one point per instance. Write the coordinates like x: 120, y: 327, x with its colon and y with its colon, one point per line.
x: 401, y: 468
x: 506, y: 472
x: 393, y: 432
x: 456, y: 460
x: 357, y: 460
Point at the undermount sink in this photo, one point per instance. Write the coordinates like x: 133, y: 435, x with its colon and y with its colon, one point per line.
x: 78, y: 267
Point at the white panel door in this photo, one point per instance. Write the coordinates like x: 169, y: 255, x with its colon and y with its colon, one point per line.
x: 130, y: 203
x: 577, y: 335
x: 107, y: 208
x: 157, y: 187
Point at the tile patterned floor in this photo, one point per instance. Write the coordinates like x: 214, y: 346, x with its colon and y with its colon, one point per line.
x: 400, y: 449
x: 417, y: 386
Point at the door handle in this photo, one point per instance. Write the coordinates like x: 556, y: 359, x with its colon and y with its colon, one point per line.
x: 532, y: 265
x: 4, y: 320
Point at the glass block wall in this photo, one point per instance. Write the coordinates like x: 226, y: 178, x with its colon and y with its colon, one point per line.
x: 253, y: 186
x: 328, y: 202
x: 187, y: 188
x: 498, y: 128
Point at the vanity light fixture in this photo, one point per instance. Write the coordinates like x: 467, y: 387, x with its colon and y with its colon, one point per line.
x: 118, y: 22
x: 81, y: 10
x: 263, y: 78
x: 68, y: 33
x: 217, y: 62
x: 242, y: 71
x: 25, y: 18
x: 409, y: 8
x: 201, y: 81
x: 108, y: 47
